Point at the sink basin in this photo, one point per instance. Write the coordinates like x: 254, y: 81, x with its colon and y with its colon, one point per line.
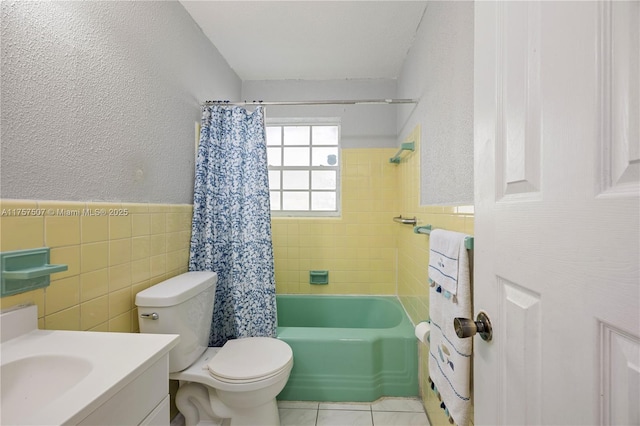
x: 31, y: 382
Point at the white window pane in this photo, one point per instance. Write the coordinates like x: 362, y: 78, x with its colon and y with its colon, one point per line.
x: 323, y: 201
x: 298, y: 200
x: 325, y: 157
x: 274, y: 179
x: 296, y: 135
x: 274, y: 156
x: 274, y: 197
x: 274, y: 135
x: 323, y: 179
x: 295, y: 179
x: 296, y: 157
x: 304, y: 161
x: 324, y: 135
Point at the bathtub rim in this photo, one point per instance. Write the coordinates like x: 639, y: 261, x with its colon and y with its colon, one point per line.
x: 402, y: 330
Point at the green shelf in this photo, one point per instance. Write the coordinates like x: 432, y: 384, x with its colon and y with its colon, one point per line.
x: 407, y: 146
x: 25, y: 270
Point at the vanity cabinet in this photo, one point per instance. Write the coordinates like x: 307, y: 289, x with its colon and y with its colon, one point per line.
x: 142, y: 401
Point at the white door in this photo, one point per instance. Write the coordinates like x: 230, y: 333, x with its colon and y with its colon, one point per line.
x: 557, y: 170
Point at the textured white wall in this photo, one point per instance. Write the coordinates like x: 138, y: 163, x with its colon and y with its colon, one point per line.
x: 439, y: 71
x: 99, y: 99
x: 362, y: 126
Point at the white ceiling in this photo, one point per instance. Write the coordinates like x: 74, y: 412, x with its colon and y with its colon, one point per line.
x: 310, y: 40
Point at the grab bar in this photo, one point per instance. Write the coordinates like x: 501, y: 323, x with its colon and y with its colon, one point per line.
x: 426, y: 229
x: 405, y: 220
x: 407, y: 146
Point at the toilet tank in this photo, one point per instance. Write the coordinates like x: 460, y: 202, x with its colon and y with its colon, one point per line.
x: 182, y: 305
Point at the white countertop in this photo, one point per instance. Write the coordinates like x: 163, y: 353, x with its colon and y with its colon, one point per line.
x: 115, y: 360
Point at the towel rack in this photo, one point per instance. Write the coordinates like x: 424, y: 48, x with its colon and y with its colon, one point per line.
x: 405, y: 220
x: 426, y: 229
x: 406, y: 146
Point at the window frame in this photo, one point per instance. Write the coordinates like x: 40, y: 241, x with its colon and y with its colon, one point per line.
x: 311, y: 122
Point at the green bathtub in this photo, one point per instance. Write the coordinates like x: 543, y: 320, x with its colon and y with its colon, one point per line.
x: 347, y: 348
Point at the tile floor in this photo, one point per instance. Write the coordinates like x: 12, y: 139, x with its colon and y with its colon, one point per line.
x: 383, y: 412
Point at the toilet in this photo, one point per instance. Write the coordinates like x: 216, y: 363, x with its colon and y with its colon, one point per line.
x: 236, y: 384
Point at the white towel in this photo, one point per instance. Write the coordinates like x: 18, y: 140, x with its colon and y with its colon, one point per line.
x: 450, y: 356
x: 444, y: 248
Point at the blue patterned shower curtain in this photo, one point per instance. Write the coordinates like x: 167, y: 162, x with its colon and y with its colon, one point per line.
x: 231, y: 228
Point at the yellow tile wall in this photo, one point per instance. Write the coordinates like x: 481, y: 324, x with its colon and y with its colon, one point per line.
x: 413, y: 259
x: 110, y: 258
x: 358, y: 248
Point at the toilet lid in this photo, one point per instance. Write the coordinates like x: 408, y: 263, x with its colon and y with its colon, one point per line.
x: 250, y: 358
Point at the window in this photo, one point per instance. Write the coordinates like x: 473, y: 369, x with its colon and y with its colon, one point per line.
x: 304, y: 167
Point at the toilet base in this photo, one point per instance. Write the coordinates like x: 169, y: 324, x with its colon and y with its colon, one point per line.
x: 200, y: 405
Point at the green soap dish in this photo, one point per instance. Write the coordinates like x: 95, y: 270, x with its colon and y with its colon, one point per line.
x: 24, y: 270
x: 318, y: 277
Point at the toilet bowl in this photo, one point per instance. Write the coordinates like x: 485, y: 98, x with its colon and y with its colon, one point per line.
x: 236, y: 384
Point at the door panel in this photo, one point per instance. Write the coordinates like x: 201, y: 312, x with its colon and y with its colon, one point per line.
x: 619, y: 84
x: 518, y: 136
x: 521, y: 370
x: 620, y: 375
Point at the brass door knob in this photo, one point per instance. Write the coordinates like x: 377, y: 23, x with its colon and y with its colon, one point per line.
x: 465, y: 327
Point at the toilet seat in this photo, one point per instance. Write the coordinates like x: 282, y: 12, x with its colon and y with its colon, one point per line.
x: 250, y: 359
x: 199, y: 373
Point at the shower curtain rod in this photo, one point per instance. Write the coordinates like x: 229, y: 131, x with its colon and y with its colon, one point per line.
x: 334, y: 102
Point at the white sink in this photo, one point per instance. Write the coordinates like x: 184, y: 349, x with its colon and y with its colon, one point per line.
x: 32, y: 382
x: 61, y: 377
